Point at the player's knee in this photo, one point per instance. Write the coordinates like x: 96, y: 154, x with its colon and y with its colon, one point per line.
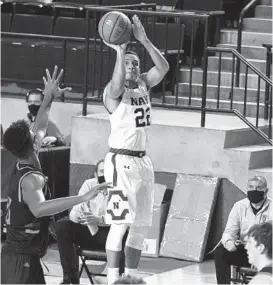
x: 115, y: 236
x: 136, y: 237
x: 114, y: 243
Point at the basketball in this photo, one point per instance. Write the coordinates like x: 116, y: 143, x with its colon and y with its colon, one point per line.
x: 115, y: 28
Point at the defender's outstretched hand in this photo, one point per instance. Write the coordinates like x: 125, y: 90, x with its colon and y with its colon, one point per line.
x: 138, y: 30
x: 52, y: 84
x: 94, y: 191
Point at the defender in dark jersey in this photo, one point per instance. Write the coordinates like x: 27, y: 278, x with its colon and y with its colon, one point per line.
x: 28, y: 207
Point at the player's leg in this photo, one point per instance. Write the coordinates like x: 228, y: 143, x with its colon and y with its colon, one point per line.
x: 144, y: 197
x: 114, y: 250
x: 36, y: 275
x: 15, y: 268
x: 141, y: 195
x: 133, y: 248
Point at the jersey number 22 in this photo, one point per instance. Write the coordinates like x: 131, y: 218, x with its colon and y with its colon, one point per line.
x: 143, y: 117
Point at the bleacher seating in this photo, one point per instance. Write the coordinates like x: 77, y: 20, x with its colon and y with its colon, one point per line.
x: 88, y: 2
x: 166, y: 36
x: 98, y: 61
x: 171, y: 3
x: 68, y: 20
x: 119, y: 2
x: 32, y: 24
x: 75, y: 50
x: 148, y: 1
x: 5, y: 22
x: 27, y: 58
x: 67, y: 9
x: 6, y: 7
x: 31, y: 7
x: 70, y: 27
x: 199, y: 5
x: 161, y: 2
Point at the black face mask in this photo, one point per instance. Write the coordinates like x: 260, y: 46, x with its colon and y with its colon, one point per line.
x: 255, y: 196
x: 101, y: 179
x: 33, y: 109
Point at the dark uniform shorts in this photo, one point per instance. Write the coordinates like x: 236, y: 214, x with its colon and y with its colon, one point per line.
x: 21, y: 269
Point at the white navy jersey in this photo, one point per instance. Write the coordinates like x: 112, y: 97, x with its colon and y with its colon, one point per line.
x: 129, y: 122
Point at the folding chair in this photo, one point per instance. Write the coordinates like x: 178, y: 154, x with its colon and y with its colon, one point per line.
x: 89, y: 255
x: 96, y: 255
x: 242, y: 275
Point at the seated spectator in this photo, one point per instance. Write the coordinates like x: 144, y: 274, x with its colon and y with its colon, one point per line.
x: 259, y: 250
x: 53, y: 136
x: 254, y: 209
x: 85, y: 228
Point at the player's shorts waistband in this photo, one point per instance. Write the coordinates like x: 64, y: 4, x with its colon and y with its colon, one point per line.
x: 128, y: 152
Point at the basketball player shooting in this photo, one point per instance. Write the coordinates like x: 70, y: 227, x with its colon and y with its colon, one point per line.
x: 126, y: 97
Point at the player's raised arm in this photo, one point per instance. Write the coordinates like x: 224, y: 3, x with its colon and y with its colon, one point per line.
x: 51, y: 92
x: 115, y: 88
x: 156, y: 73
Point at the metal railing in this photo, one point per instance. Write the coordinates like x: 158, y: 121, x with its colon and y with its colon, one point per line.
x: 268, y: 74
x: 239, y: 38
x: 242, y: 115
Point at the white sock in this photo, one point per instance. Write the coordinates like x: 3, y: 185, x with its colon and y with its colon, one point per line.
x: 130, y: 271
x: 112, y: 275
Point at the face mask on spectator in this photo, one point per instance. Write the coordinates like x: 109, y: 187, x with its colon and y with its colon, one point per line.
x: 101, y: 179
x: 33, y: 109
x: 255, y: 196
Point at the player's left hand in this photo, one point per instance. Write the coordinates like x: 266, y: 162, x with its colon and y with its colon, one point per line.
x: 47, y: 141
x: 138, y: 29
x: 89, y: 218
x: 52, y: 89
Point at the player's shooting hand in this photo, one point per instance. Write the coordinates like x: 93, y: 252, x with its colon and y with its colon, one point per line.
x: 52, y: 84
x: 138, y: 30
x: 94, y: 191
x: 89, y: 218
x: 118, y: 48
